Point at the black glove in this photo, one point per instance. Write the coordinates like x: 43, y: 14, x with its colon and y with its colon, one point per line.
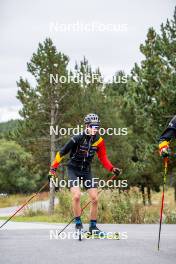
x: 52, y: 174
x: 116, y: 171
x: 165, y: 152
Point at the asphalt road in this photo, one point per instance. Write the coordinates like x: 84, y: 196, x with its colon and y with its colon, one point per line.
x: 30, y: 243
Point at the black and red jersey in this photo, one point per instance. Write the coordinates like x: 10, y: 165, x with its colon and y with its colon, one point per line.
x: 82, y: 149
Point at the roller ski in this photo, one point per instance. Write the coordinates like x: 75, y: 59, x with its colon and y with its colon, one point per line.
x: 102, y: 235
x: 96, y: 233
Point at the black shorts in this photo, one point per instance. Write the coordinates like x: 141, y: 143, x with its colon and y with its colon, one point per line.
x: 81, y: 178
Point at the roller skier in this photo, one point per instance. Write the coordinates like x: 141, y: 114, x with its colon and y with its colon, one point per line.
x: 82, y: 148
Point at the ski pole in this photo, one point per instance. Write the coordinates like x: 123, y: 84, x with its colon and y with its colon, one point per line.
x: 21, y: 207
x: 83, y: 208
x: 162, y: 200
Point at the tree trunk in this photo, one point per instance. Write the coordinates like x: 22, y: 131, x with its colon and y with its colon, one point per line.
x: 149, y: 195
x: 52, y: 146
x: 143, y: 194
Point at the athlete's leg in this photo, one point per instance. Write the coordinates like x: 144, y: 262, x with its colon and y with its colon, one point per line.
x: 76, y: 194
x: 93, y: 194
x: 75, y: 191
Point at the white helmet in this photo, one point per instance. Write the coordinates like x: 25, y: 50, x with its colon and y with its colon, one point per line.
x: 91, y: 118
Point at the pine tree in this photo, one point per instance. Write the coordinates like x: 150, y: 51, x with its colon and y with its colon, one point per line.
x: 45, y: 104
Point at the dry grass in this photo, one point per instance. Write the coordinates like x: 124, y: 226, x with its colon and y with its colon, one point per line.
x: 114, y: 207
x: 18, y: 199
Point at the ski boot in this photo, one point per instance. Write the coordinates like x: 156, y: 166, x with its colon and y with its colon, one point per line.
x: 79, y: 229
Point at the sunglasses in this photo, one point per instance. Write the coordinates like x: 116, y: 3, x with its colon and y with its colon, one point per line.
x: 94, y: 126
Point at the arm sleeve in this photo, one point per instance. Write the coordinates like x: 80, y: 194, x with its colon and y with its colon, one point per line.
x: 64, y: 150
x: 101, y: 153
x: 166, y: 137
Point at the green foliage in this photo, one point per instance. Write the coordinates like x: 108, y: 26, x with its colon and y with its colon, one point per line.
x: 16, y: 171
x: 6, y: 128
